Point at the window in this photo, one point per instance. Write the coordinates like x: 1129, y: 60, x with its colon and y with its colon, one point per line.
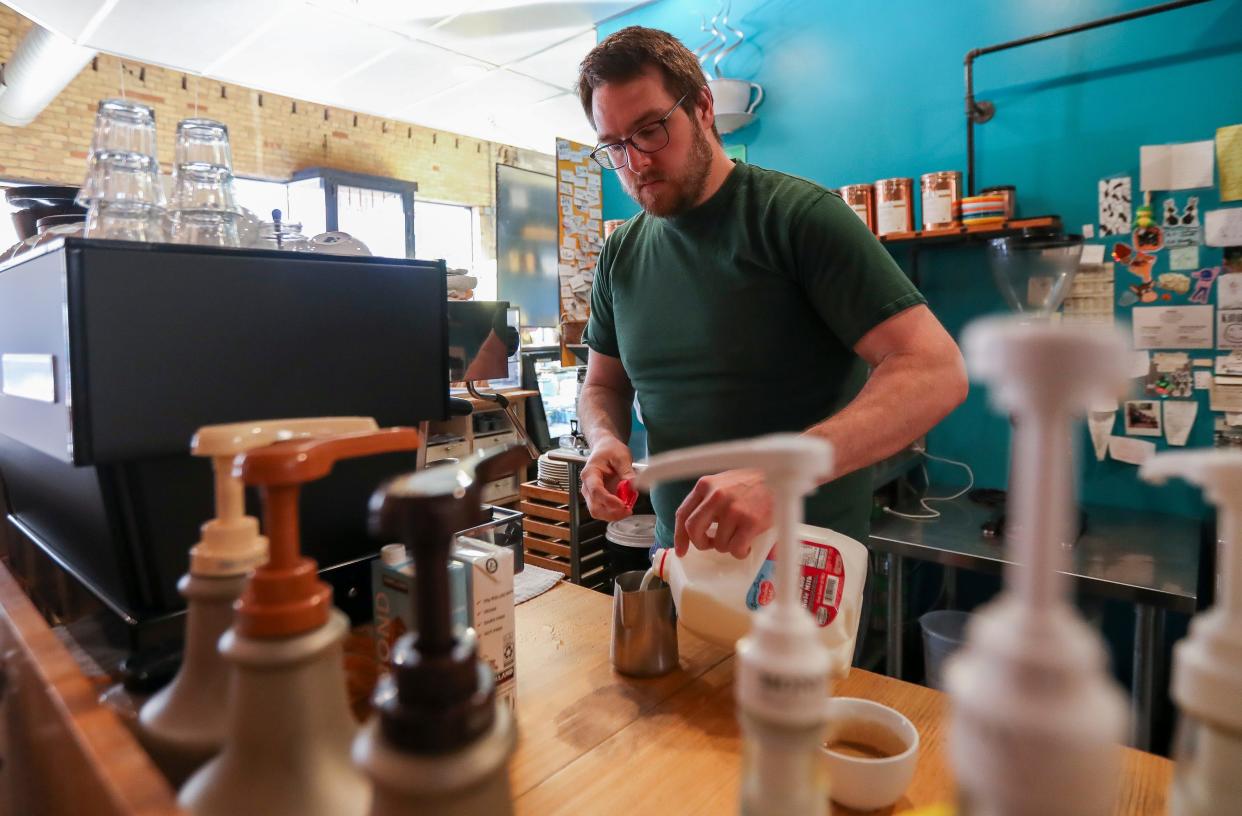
x: 8, y: 232
x: 261, y: 196
x: 444, y: 231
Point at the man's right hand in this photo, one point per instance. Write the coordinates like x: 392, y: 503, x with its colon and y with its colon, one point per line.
x: 609, y: 463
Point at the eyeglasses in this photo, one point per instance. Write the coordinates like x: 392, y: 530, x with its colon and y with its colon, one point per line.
x: 647, y: 139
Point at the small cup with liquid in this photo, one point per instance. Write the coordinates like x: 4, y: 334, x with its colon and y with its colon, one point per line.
x: 870, y: 753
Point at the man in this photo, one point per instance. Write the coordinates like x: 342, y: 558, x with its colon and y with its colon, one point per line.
x: 740, y: 302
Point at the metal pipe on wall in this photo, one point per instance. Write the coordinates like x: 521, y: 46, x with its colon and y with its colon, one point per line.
x: 978, y: 112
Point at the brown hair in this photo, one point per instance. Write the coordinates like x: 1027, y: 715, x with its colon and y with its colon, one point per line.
x: 626, y: 54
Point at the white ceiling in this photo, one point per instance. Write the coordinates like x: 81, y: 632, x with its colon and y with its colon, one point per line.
x: 501, y: 70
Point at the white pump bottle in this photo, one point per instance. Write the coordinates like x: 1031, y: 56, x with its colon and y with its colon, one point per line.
x: 1207, y: 665
x: 783, y: 668
x: 1037, y: 721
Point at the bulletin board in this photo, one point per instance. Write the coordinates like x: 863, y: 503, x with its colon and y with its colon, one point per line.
x: 580, y: 231
x: 1163, y: 259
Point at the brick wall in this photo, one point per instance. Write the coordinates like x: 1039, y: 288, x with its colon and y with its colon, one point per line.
x: 272, y: 136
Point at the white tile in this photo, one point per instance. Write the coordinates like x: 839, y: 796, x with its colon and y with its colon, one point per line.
x: 559, y: 64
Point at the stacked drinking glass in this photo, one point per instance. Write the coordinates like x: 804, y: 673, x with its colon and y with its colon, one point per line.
x: 203, y: 209
x: 122, y: 189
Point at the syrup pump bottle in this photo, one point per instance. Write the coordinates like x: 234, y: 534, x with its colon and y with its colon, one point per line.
x: 440, y: 742
x: 288, y: 723
x: 783, y: 668
x: 1207, y: 665
x: 1037, y: 721
x: 181, y: 726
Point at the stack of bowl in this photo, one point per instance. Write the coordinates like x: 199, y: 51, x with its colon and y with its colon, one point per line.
x: 122, y: 189
x: 983, y: 210
x: 204, y: 209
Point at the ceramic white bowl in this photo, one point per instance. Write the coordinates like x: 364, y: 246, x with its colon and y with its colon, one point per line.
x: 338, y: 243
x: 870, y: 784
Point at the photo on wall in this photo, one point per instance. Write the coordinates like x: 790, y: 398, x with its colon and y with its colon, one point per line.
x: 1144, y: 418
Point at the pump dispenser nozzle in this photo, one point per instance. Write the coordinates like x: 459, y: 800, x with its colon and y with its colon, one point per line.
x: 443, y: 694
x: 441, y: 743
x: 1036, y: 718
x: 231, y: 544
x: 783, y: 666
x: 1207, y: 665
x: 285, y: 596
x: 289, y: 727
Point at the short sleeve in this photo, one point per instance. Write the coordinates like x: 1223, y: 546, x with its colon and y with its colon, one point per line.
x: 601, y: 330
x: 851, y: 280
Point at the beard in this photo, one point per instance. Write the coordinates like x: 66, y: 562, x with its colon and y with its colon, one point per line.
x: 679, y: 193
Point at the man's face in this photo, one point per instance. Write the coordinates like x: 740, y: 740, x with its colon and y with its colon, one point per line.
x: 670, y: 180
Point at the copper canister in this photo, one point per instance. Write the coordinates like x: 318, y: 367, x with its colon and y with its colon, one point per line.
x: 1009, y: 192
x: 861, y: 198
x: 894, y: 206
x: 942, y: 199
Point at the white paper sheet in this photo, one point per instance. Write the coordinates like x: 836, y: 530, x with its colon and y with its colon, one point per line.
x: 1203, y: 380
x: 1131, y: 451
x: 1140, y: 363
x: 1229, y: 291
x: 1179, y: 418
x: 1226, y: 393
x: 1229, y: 328
x: 1233, y: 420
x: 1100, y: 424
x: 1088, y: 231
x: 1158, y: 327
x: 1223, y: 228
x: 1184, y: 166
x: 1181, y: 258
x: 1092, y: 254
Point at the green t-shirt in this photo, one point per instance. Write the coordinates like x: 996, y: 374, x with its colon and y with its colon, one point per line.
x: 738, y: 319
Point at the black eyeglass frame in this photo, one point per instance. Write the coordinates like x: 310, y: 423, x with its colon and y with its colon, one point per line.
x: 662, y: 122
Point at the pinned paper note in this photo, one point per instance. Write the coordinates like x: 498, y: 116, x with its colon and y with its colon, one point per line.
x: 1169, y: 375
x: 1184, y: 166
x: 1223, y: 228
x: 1229, y: 159
x: 1161, y: 327
x: 1203, y: 380
x: 1088, y: 231
x: 1140, y: 362
x: 1179, y: 418
x: 1114, y: 206
x: 1226, y: 394
x: 1143, y: 418
x: 1130, y: 451
x: 1092, y: 254
x: 1100, y: 424
x: 1229, y: 328
x: 1181, y: 258
x: 1229, y: 291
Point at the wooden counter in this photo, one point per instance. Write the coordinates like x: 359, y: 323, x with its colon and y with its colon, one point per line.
x: 671, y: 745
x: 590, y: 741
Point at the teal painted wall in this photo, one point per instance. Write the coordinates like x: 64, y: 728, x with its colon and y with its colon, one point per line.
x: 862, y: 90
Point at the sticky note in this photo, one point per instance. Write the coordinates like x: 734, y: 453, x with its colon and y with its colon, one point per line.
x: 1229, y: 160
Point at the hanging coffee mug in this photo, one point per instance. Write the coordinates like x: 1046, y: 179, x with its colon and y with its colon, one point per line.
x: 734, y: 95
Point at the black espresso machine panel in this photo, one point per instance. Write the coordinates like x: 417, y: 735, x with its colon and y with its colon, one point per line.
x: 113, y: 353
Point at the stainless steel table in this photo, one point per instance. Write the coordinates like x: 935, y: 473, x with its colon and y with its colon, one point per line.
x: 1149, y: 559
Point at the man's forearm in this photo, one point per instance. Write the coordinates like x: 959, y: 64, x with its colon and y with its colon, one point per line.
x: 604, y: 412
x: 905, y: 396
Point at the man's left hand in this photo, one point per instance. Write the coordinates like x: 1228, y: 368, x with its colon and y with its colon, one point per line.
x: 736, y: 501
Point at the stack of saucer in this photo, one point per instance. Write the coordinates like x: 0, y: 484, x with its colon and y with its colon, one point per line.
x: 553, y: 473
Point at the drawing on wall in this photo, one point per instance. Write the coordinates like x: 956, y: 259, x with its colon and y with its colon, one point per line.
x: 1115, y: 206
